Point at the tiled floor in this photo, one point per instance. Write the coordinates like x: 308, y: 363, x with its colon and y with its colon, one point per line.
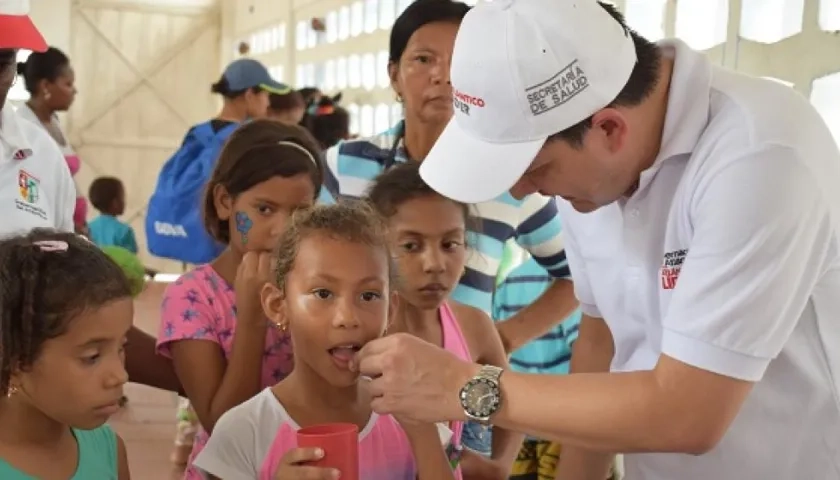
x: 147, y: 424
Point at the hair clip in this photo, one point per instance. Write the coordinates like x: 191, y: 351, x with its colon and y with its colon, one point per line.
x: 52, y: 245
x: 316, y: 109
x: 325, y: 110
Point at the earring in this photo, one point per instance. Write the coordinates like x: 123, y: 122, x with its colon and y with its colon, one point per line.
x: 47, y: 95
x: 399, y: 98
x: 11, y: 391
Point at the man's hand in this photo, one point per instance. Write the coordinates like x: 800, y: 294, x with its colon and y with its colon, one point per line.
x: 414, y: 379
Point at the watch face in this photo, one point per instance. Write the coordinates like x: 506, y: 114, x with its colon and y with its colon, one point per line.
x: 480, y: 398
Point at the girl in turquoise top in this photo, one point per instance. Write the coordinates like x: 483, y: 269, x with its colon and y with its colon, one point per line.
x: 65, y: 310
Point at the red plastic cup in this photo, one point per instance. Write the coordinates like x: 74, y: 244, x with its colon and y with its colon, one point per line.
x: 340, y: 443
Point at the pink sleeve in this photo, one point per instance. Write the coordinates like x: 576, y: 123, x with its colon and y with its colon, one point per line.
x: 186, y: 313
x: 284, y: 440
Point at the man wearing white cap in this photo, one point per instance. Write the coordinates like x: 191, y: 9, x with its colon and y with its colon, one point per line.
x: 36, y: 189
x: 701, y: 210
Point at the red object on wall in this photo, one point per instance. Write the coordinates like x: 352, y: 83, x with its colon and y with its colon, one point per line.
x: 318, y: 24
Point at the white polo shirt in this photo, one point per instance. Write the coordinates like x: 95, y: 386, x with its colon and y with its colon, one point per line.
x: 36, y: 189
x: 727, y: 258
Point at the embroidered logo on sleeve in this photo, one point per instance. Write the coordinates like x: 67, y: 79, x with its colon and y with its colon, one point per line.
x: 671, y: 267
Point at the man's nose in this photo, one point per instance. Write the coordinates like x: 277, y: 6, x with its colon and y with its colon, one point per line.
x: 522, y: 188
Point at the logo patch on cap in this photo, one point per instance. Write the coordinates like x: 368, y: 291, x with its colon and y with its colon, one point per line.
x: 557, y: 90
x: 463, y: 102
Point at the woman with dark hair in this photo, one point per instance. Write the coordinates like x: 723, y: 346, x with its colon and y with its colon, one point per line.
x: 49, y: 79
x: 312, y: 97
x: 245, y: 87
x: 43, y: 195
x: 420, y: 51
x: 328, y: 122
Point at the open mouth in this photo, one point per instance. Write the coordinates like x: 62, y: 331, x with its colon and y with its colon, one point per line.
x: 343, y: 354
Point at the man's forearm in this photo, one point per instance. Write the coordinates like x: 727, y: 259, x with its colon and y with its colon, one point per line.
x: 607, y: 412
x: 533, y: 321
x: 592, y: 353
x: 604, y: 412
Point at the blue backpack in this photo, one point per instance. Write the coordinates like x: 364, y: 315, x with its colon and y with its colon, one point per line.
x: 174, y: 224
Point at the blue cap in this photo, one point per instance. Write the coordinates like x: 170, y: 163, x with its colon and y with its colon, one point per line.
x: 248, y: 73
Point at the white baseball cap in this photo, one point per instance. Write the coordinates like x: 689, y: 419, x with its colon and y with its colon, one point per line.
x: 523, y: 70
x: 16, y: 28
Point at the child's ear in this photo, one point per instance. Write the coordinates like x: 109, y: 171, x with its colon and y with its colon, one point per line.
x: 274, y: 305
x: 223, y: 202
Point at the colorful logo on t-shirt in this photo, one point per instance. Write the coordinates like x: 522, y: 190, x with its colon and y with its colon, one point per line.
x: 671, y: 266
x: 29, y: 186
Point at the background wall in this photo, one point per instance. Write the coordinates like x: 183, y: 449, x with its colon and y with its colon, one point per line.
x: 143, y: 72
x: 793, y: 41
x: 350, y: 56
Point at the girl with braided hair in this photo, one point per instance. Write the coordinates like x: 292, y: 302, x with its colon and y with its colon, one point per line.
x: 65, y: 311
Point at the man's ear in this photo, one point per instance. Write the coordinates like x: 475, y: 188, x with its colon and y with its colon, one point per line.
x: 612, y: 125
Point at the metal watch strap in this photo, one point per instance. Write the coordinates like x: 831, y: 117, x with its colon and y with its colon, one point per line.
x: 482, y: 388
x: 490, y: 372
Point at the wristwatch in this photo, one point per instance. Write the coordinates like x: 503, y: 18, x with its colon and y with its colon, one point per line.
x: 481, y: 396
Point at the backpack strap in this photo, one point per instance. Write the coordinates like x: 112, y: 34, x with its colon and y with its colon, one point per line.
x: 203, y: 132
x: 226, y: 131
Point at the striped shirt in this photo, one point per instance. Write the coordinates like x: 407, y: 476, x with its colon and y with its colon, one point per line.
x: 533, y: 221
x: 551, y: 352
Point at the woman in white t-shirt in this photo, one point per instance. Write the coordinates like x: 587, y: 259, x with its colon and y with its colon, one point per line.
x: 36, y: 189
x: 50, y: 81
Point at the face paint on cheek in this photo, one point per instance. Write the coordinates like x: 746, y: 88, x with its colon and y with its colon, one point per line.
x: 243, y: 226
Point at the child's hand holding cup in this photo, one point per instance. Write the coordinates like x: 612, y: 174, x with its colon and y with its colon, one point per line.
x: 325, y: 452
x: 297, y: 465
